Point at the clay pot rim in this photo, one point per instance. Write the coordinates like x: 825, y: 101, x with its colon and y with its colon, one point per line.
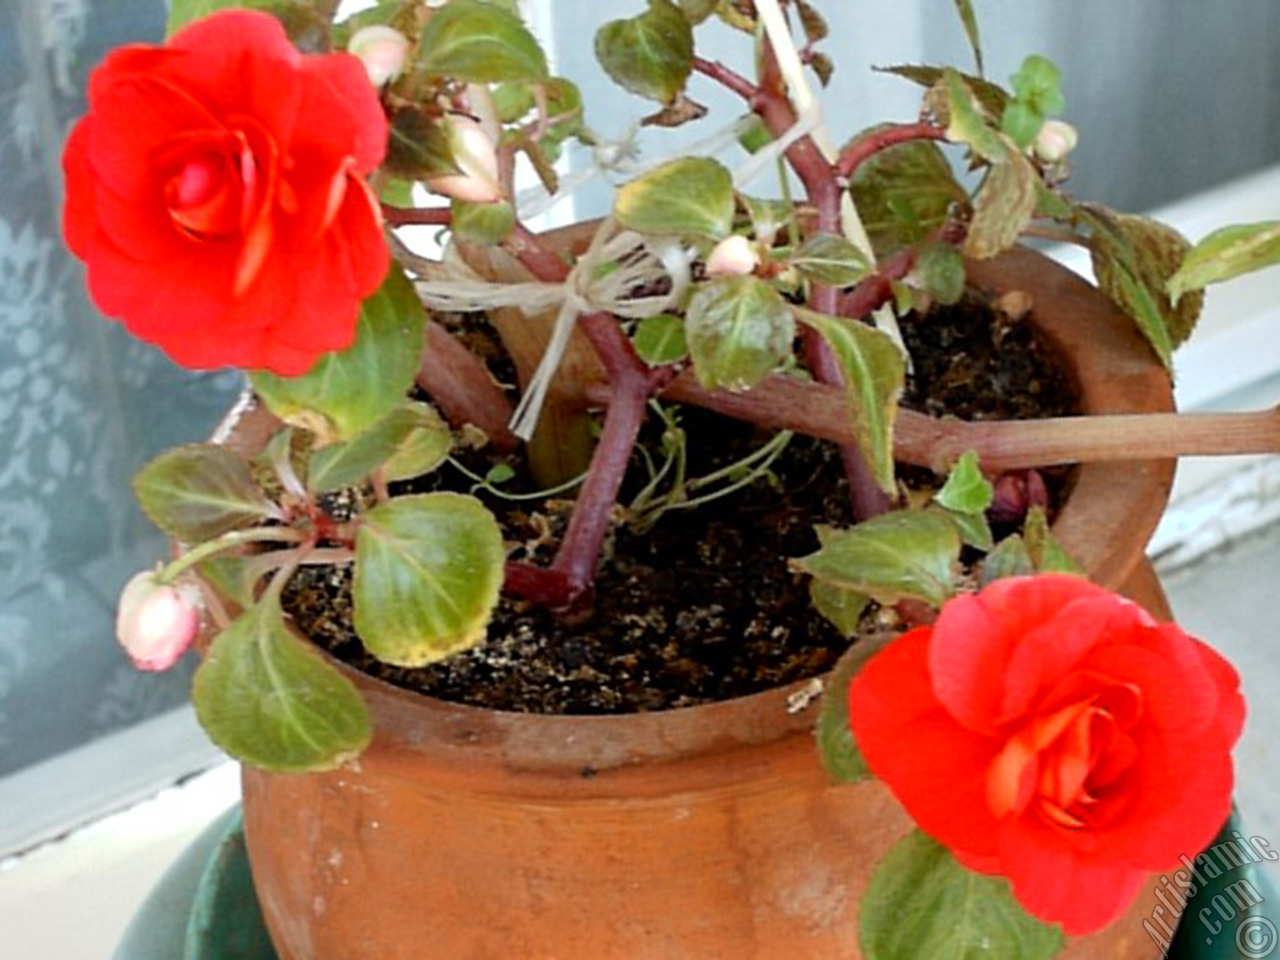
x: 1116, y: 372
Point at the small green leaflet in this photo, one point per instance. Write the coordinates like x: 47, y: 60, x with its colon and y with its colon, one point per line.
x: 874, y: 374
x: 739, y: 331
x: 966, y: 489
x: 1224, y: 254
x: 428, y: 572
x: 830, y: 259
x: 200, y: 491
x: 482, y: 223
x: 267, y: 697
x: 410, y: 426
x: 842, y: 608
x: 923, y: 905
x: 650, y: 54
x: 660, y: 339
x: 477, y: 42
x: 692, y: 196
x: 889, y: 557
x: 299, y: 18
x: 1045, y: 551
x: 904, y: 193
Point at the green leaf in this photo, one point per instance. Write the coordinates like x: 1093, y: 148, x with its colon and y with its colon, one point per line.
x: 923, y: 905
x: 651, y: 54
x: 968, y: 123
x: 874, y: 374
x: 939, y: 269
x: 476, y: 42
x: 967, y: 17
x: 895, y: 555
x: 499, y: 473
x: 831, y: 259
x: 1021, y: 123
x: 991, y: 96
x: 347, y: 392
x: 692, y: 196
x: 427, y: 446
x: 973, y: 528
x: 696, y: 11
x: 966, y: 489
x: 482, y: 223
x: 739, y: 330
x: 300, y: 19
x: 1010, y: 558
x: 1134, y: 258
x: 1224, y: 254
x: 904, y: 193
x: 417, y: 145
x: 1004, y: 208
x: 837, y: 747
x: 660, y: 340
x: 267, y: 697
x: 1038, y: 83
x: 346, y: 463
x: 229, y: 576
x: 428, y: 572
x: 197, y: 492
x: 843, y: 608
x: 1046, y: 553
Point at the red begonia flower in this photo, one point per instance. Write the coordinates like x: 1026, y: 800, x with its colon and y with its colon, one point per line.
x: 1051, y: 732
x: 215, y: 189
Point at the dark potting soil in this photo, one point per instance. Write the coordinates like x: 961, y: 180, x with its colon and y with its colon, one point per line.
x: 702, y: 607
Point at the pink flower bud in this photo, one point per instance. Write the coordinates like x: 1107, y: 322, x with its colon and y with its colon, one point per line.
x: 382, y: 50
x: 157, y: 622
x: 735, y: 255
x: 477, y: 162
x: 1055, y: 140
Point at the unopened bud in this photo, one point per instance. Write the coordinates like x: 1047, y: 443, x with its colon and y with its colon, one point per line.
x: 1055, y: 140
x: 382, y: 50
x: 473, y: 153
x: 735, y: 255
x: 1016, y: 492
x: 157, y: 622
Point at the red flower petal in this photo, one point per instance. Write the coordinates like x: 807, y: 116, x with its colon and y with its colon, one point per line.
x: 1054, y: 882
x: 935, y: 767
x: 974, y: 638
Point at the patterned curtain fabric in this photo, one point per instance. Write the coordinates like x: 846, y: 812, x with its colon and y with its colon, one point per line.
x: 82, y: 406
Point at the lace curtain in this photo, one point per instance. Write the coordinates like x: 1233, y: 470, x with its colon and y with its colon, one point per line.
x: 81, y: 408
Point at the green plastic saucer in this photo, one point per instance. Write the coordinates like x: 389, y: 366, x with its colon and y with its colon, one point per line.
x: 204, y: 907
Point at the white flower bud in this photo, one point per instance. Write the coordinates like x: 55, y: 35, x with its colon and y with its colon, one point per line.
x: 477, y: 161
x: 735, y: 255
x: 156, y: 622
x: 1055, y: 140
x: 382, y: 50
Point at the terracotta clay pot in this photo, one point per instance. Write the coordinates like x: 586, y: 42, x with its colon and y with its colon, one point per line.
x: 690, y: 834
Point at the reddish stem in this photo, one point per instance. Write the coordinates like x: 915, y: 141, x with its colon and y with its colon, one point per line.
x: 417, y: 216
x: 547, y: 588
x: 869, y: 144
x: 630, y: 384
x: 629, y: 388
